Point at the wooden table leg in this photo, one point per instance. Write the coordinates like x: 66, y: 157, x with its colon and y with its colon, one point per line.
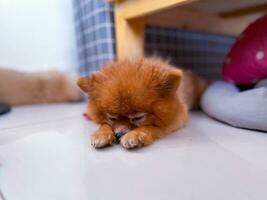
x: 129, y: 37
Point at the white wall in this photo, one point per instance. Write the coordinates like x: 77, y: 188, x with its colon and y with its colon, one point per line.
x: 37, y: 34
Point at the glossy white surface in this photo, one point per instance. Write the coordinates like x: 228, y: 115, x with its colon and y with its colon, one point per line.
x: 45, y: 154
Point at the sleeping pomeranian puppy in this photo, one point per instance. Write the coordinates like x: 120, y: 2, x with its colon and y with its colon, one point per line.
x: 138, y: 101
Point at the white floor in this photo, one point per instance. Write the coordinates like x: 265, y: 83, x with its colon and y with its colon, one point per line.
x: 45, y: 155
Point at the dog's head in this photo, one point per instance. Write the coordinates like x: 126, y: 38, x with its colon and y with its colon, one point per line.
x: 129, y: 94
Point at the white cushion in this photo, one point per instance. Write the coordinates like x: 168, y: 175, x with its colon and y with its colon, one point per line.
x: 247, y: 109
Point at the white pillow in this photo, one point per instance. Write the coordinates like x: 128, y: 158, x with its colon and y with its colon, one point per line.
x: 247, y: 109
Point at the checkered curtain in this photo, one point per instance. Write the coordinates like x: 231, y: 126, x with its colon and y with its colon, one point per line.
x: 95, y: 34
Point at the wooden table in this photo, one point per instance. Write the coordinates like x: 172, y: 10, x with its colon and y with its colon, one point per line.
x: 217, y: 16
x: 130, y: 23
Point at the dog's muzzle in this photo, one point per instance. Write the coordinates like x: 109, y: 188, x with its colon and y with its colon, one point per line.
x: 119, y: 132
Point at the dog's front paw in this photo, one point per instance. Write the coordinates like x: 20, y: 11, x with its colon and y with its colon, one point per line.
x: 134, y: 139
x: 102, y: 139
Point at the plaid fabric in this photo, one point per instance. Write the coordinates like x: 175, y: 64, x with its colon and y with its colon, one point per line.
x: 202, y: 52
x: 95, y: 34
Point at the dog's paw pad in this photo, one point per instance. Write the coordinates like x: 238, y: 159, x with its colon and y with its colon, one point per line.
x: 132, y: 140
x: 99, y: 141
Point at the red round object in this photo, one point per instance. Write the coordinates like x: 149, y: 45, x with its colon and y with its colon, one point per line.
x: 246, y: 62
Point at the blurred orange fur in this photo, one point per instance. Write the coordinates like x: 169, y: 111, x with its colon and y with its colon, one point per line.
x: 19, y: 88
x: 139, y: 100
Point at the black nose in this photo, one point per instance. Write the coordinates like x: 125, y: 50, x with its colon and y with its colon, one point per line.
x: 119, y: 134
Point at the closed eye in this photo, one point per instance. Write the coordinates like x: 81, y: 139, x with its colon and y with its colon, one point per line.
x: 111, y: 118
x: 137, y: 118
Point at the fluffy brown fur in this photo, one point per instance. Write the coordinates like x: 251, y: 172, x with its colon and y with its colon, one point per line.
x: 139, y: 101
x: 18, y: 88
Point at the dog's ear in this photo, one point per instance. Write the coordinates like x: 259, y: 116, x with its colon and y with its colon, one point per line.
x: 87, y: 83
x: 84, y: 83
x: 171, y: 82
